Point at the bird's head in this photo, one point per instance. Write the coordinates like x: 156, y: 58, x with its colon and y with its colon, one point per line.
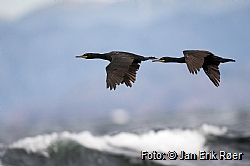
x: 87, y: 56
x: 163, y: 59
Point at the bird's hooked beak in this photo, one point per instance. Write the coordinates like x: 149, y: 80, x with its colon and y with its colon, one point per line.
x: 158, y: 60
x: 82, y: 56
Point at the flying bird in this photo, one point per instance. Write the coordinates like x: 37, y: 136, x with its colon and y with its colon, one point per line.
x: 122, y: 67
x: 197, y: 59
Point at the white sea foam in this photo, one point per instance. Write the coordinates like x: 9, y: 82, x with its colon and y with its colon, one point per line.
x: 161, y: 141
x: 213, y: 130
x: 36, y: 144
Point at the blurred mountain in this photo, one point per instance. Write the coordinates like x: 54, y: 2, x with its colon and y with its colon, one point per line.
x: 41, y: 78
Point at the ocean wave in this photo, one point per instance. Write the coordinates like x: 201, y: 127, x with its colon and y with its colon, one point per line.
x: 207, y: 129
x: 124, y: 148
x: 191, y: 140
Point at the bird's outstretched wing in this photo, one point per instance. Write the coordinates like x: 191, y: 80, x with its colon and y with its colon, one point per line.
x: 117, y: 69
x: 130, y: 75
x: 213, y: 73
x: 195, y: 59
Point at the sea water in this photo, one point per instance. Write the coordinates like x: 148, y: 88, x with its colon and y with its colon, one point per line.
x: 147, y: 142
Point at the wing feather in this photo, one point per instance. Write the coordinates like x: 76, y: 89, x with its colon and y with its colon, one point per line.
x: 213, y: 73
x: 126, y: 80
x: 116, y: 70
x: 131, y: 74
x: 195, y: 59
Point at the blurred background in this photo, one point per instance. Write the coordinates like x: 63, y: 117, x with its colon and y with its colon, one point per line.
x: 45, y: 89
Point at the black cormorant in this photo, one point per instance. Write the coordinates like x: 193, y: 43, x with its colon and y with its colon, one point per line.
x: 196, y: 59
x: 122, y: 67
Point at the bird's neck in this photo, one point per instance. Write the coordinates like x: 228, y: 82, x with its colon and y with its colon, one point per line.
x: 101, y: 56
x: 178, y: 60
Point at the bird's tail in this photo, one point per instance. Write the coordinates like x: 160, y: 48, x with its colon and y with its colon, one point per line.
x: 227, y: 60
x: 150, y: 57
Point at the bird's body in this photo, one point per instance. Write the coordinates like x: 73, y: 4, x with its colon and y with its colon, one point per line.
x: 196, y: 59
x: 122, y: 67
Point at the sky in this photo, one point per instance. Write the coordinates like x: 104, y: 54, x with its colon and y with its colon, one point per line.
x: 14, y: 9
x: 46, y: 78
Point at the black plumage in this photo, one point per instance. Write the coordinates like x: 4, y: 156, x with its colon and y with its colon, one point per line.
x: 197, y: 59
x: 122, y: 67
